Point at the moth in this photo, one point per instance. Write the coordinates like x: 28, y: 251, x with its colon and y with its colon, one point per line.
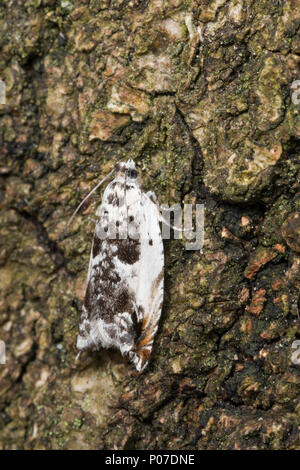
x: 124, y: 294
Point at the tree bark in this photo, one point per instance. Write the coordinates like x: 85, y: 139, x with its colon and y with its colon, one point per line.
x: 200, y: 95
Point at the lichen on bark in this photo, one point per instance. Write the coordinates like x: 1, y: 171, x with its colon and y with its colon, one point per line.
x: 199, y: 94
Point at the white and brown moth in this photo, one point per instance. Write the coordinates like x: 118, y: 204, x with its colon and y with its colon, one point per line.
x: 124, y: 294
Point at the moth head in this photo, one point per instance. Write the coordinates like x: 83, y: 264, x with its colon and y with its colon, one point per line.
x: 127, y: 169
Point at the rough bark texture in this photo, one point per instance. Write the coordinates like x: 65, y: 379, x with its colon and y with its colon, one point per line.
x: 199, y: 93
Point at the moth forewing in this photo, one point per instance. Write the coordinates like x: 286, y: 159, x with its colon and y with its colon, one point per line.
x: 124, y: 292
x: 149, y: 292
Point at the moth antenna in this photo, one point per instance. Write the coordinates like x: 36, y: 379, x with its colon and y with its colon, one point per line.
x: 86, y: 197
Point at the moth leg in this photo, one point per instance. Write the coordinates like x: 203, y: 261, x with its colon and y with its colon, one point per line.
x: 151, y: 195
x: 78, y: 356
x: 177, y: 229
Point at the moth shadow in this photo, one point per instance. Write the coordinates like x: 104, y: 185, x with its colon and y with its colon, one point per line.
x: 105, y: 360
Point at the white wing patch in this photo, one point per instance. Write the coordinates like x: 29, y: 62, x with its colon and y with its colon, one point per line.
x: 124, y: 293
